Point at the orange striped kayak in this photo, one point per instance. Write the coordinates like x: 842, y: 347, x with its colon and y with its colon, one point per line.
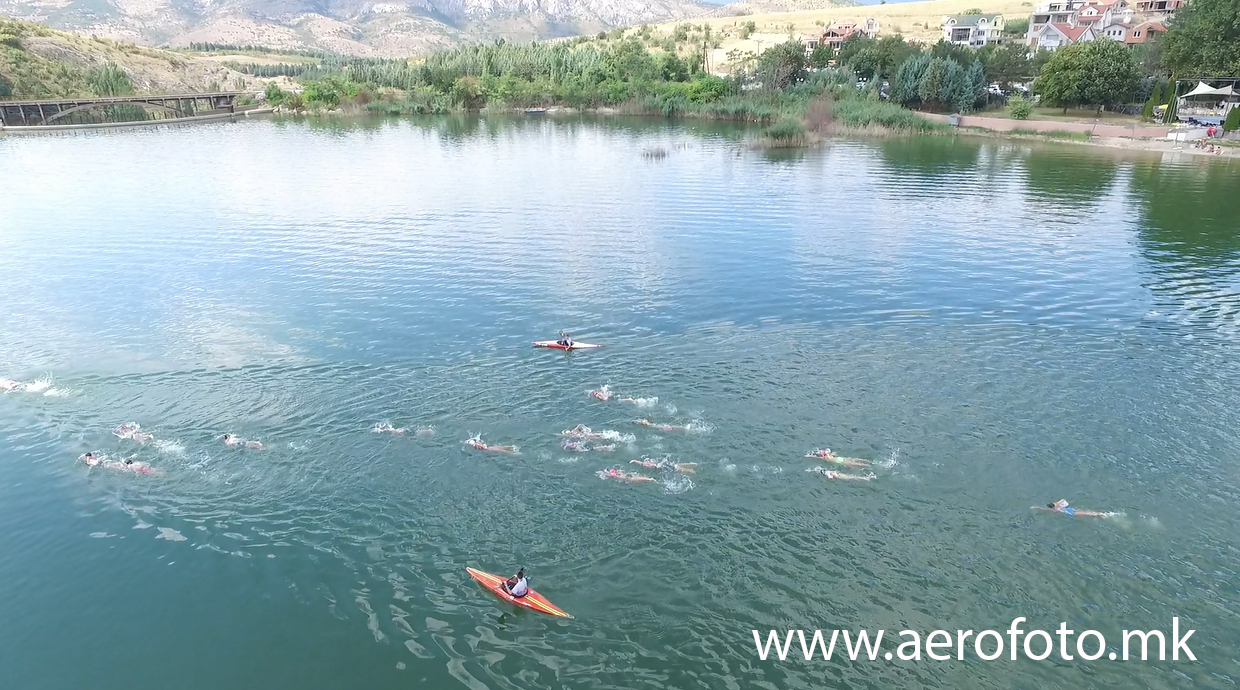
x: 532, y: 600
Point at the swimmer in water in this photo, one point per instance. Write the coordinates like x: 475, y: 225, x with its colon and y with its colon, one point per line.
x: 9, y: 385
x: 681, y: 467
x: 620, y: 475
x: 477, y: 444
x: 1061, y: 506
x: 234, y: 440
x: 386, y: 428
x: 660, y: 427
x: 575, y: 446
x: 92, y: 459
x: 604, y: 449
x: 129, y: 465
x: 601, y: 394
x: 126, y: 430
x: 826, y: 455
x: 832, y: 474
x: 585, y: 433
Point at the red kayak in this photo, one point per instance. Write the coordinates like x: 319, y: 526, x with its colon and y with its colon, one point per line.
x: 556, y: 346
x: 532, y: 600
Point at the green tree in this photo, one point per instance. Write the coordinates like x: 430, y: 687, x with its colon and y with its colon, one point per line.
x: 1096, y: 73
x: 6, y: 89
x: 853, y: 45
x: 866, y: 62
x: 1203, y: 38
x: 1016, y: 27
x: 782, y: 65
x: 1232, y: 123
x: 1006, y: 63
x: 747, y: 30
x: 821, y: 56
x: 1154, y: 101
x: 907, y: 87
x: 976, y: 75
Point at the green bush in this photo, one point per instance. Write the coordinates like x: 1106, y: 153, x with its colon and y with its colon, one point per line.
x: 274, y: 95
x: 1020, y: 107
x: 109, y: 80
x: 786, y: 128
x: 861, y: 113
x: 747, y: 30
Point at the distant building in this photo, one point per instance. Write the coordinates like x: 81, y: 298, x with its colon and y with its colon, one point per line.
x: 1163, y: 7
x: 1144, y: 33
x: 974, y: 30
x: 1054, y: 36
x: 1112, y: 19
x: 834, y: 36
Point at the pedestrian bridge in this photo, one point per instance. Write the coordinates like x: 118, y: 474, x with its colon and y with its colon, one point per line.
x: 70, y: 111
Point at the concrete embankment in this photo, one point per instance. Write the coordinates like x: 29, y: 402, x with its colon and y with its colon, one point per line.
x: 140, y: 123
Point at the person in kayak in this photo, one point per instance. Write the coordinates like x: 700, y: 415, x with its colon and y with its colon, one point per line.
x: 566, y: 339
x: 516, y: 585
x: 1061, y: 506
x: 826, y: 455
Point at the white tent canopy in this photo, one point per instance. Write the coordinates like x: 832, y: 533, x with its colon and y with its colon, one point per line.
x: 1204, y: 89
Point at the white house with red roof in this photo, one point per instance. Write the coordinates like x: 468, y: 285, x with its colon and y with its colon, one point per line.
x: 1054, y: 36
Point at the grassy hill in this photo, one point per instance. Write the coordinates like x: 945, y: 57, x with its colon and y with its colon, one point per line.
x: 915, y: 20
x: 38, y: 62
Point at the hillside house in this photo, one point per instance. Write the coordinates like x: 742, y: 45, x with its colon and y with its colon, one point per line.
x: 973, y: 30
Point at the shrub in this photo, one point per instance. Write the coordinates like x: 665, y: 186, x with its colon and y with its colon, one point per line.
x: 786, y: 128
x: 747, y: 29
x: 274, y: 94
x: 1020, y: 107
x: 109, y: 80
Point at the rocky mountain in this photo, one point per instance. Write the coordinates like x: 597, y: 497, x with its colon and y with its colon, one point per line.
x: 389, y: 28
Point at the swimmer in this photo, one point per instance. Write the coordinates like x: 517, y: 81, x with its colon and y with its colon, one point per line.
x: 604, y: 449
x: 1061, y: 506
x: 128, y: 465
x: 425, y: 431
x: 826, y: 455
x: 660, y: 427
x: 575, y: 446
x: 621, y: 475
x: 141, y: 437
x: 9, y: 385
x: 233, y: 440
x: 601, y: 394
x: 683, y: 468
x: 832, y: 474
x: 126, y: 430
x: 92, y: 459
x: 386, y: 428
x: 477, y: 444
x: 585, y: 433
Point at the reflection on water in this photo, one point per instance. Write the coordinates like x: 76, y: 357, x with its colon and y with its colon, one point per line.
x: 993, y: 324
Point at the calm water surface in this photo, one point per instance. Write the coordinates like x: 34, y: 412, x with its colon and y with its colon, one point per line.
x: 994, y: 325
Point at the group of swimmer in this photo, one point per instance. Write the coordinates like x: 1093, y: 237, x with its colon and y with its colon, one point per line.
x: 132, y: 431
x: 578, y: 439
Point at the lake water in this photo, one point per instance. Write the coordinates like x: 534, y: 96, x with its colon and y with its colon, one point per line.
x: 994, y: 324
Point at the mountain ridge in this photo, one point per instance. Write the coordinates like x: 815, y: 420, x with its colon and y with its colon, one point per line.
x: 353, y: 27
